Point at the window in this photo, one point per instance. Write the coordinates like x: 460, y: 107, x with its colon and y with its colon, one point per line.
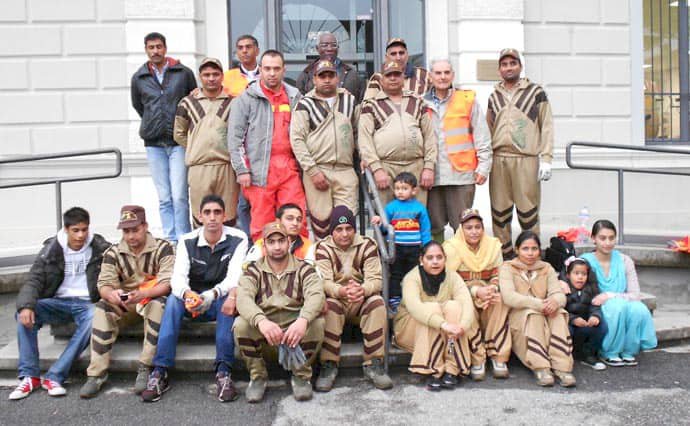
x: 666, y: 71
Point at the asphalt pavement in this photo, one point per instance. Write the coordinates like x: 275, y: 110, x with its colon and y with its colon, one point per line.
x: 655, y: 392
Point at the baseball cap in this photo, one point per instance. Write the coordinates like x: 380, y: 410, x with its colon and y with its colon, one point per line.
x: 391, y: 67
x: 470, y: 214
x: 274, y: 227
x: 211, y: 61
x: 394, y: 41
x: 509, y: 51
x: 323, y: 66
x: 131, y: 216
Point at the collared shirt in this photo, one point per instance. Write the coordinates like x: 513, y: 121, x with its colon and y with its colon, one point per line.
x: 251, y: 74
x: 160, y: 75
x: 180, y: 276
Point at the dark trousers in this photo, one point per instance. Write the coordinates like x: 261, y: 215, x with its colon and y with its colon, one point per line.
x: 587, y: 340
x: 406, y: 258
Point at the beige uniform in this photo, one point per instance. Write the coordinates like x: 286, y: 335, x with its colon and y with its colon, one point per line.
x: 397, y: 138
x: 522, y: 133
x: 417, y: 326
x: 361, y: 263
x: 416, y: 81
x: 281, y: 298
x: 201, y: 126
x: 322, y: 140
x: 480, y: 269
x: 121, y: 269
x: 539, y: 341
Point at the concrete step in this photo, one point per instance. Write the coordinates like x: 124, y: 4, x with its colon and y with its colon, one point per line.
x: 191, y: 357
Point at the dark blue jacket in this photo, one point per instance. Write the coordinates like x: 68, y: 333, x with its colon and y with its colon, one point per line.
x: 156, y: 103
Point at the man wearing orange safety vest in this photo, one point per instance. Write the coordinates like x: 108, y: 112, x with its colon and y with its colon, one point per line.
x: 464, y: 148
x: 235, y: 80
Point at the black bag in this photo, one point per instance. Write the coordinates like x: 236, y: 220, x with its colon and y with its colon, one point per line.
x: 558, y: 252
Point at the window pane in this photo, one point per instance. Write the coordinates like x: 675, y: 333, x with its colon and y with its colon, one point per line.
x: 248, y: 17
x: 406, y: 20
x: 661, y: 70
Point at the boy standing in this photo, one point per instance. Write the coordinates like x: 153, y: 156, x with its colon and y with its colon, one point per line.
x: 410, y: 220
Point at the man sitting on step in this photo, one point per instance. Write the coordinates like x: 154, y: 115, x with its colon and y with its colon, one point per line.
x: 279, y: 300
x: 291, y: 216
x: 133, y: 283
x: 351, y: 269
x: 204, y: 283
x: 61, y: 288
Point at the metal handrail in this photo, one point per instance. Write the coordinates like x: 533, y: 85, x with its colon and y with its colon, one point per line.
x: 59, y: 181
x: 621, y: 170
x: 386, y: 244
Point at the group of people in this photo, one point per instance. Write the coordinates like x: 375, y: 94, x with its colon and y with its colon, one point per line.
x: 252, y: 151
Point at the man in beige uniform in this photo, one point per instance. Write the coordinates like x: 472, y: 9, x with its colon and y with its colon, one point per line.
x: 519, y: 117
x: 323, y: 142
x: 201, y: 126
x: 416, y: 79
x: 134, y: 280
x: 279, y: 300
x: 351, y: 270
x: 395, y: 135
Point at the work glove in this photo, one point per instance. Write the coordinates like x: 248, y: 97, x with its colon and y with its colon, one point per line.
x: 544, y: 171
x: 207, y: 299
x: 291, y: 358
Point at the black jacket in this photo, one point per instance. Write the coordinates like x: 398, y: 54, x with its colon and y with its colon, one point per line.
x: 579, y: 303
x: 48, y: 271
x: 156, y: 103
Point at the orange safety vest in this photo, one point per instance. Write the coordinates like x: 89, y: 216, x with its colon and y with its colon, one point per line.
x: 457, y: 130
x: 234, y: 82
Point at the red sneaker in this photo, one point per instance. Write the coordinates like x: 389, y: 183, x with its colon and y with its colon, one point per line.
x: 54, y: 388
x: 25, y: 387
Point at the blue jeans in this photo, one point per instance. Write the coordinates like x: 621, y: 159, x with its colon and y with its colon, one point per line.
x: 243, y: 215
x: 587, y: 340
x: 169, y: 175
x: 55, y: 311
x: 170, y: 330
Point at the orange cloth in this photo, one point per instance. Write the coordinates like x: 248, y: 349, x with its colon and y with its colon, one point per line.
x: 681, y: 246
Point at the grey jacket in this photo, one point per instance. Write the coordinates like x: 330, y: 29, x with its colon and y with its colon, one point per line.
x: 250, y: 131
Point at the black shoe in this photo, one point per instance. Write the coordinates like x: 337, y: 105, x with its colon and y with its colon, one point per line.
x: 449, y: 381
x: 433, y: 384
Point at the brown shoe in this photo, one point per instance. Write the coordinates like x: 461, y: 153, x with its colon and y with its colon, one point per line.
x: 566, y: 379
x: 544, y: 377
x: 225, y: 388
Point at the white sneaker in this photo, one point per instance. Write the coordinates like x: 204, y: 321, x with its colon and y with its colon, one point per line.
x: 54, y: 388
x: 477, y: 372
x: 500, y: 369
x: 25, y: 387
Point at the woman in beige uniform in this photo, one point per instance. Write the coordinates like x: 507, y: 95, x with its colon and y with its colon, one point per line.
x: 434, y: 320
x: 477, y: 258
x: 538, y: 322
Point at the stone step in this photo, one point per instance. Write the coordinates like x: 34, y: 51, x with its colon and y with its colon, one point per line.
x: 197, y: 357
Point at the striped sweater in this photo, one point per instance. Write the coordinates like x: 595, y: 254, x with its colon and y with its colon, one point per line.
x: 410, y: 220
x: 521, y: 122
x: 201, y: 126
x: 122, y: 269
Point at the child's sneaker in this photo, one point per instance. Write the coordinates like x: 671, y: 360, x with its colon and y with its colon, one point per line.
x: 594, y: 363
x: 54, y: 388
x: 393, y: 304
x: 25, y: 387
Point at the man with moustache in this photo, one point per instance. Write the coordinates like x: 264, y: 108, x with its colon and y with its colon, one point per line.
x: 201, y: 126
x: 416, y: 79
x: 322, y: 138
x: 327, y: 47
x: 519, y: 117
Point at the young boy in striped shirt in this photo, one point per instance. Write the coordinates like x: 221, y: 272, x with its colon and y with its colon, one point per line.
x: 410, y: 220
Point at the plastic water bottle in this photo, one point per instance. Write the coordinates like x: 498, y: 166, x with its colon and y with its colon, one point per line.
x: 583, y: 216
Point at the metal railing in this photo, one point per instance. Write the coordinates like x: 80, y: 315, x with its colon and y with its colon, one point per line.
x: 621, y: 170
x: 385, y: 243
x: 59, y: 181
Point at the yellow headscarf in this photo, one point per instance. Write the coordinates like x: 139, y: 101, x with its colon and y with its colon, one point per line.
x: 458, y: 253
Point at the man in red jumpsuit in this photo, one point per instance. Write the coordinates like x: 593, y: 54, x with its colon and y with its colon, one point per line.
x: 259, y: 143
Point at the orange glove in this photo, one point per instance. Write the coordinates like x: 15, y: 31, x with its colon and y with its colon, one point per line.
x: 192, y: 302
x: 149, y: 283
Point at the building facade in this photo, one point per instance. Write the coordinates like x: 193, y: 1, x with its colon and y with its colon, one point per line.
x: 612, y: 70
